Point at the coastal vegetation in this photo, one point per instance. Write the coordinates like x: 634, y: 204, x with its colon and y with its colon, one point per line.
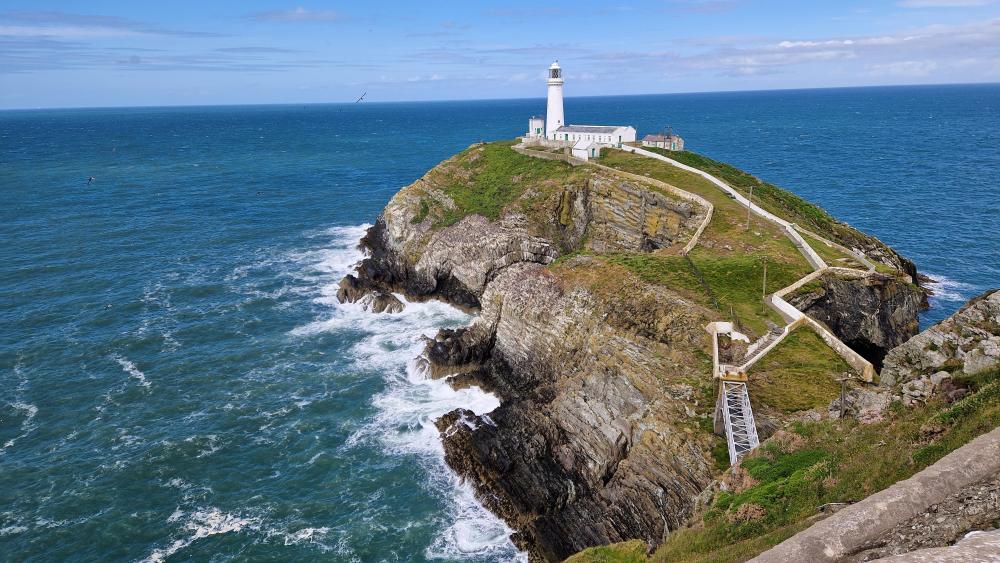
x: 814, y: 463
x: 799, y: 374
x: 485, y: 179
x: 781, y: 202
x: 832, y: 255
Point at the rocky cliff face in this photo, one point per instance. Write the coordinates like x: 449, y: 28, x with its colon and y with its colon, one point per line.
x: 968, y: 341
x: 602, y: 434
x: 872, y: 314
x: 596, y: 439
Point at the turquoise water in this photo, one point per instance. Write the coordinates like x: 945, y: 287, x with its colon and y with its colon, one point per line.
x: 177, y: 380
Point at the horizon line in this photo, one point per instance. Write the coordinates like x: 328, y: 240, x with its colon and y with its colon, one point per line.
x: 446, y: 100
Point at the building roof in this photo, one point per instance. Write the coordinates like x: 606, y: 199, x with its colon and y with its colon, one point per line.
x: 602, y: 129
x: 537, y: 117
x: 584, y: 144
x: 660, y: 138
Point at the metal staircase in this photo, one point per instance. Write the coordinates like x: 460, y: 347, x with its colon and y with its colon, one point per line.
x: 733, y: 408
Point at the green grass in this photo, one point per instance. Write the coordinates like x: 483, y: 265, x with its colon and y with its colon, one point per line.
x: 626, y: 552
x: 832, y: 255
x: 800, y: 373
x: 730, y: 256
x: 832, y: 462
x: 670, y: 271
x: 422, y: 214
x: 487, y: 178
x: 776, y: 200
x: 737, y: 281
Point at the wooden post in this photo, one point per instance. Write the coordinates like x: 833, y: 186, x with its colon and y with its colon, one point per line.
x: 749, y: 203
x: 763, y: 305
x: 843, y: 395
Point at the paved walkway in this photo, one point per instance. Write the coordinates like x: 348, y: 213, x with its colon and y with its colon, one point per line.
x: 793, y: 317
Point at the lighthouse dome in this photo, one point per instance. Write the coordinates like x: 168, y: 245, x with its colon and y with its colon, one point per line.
x: 555, y: 71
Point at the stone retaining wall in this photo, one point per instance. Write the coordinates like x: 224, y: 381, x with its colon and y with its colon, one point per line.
x: 856, y: 527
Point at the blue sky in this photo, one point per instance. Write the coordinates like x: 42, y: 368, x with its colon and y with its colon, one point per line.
x: 114, y: 53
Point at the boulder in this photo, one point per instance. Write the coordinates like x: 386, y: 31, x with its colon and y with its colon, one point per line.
x: 969, y: 340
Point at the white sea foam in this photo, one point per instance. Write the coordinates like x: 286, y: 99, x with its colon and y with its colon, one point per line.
x: 27, y: 425
x: 202, y: 524
x: 11, y: 530
x: 947, y: 290
x: 130, y: 369
x: 305, y: 535
x: 412, y: 401
x: 30, y: 411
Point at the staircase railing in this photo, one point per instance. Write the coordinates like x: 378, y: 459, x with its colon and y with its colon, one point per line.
x: 737, y: 416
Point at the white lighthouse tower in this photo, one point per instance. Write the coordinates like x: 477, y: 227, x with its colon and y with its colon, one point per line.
x: 554, y: 111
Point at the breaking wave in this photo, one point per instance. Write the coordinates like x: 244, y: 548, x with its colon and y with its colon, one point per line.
x: 949, y: 291
x: 411, y: 401
x: 131, y: 370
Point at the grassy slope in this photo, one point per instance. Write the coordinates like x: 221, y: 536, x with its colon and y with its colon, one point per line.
x: 799, y: 374
x: 776, y: 200
x: 828, y: 461
x: 626, y: 552
x: 486, y: 179
x: 832, y: 255
x: 730, y: 256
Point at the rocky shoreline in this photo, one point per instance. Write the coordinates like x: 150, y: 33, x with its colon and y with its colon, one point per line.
x: 603, y: 432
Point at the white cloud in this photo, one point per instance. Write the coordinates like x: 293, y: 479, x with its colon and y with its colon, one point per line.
x: 65, y: 31
x: 943, y: 3
x: 68, y: 24
x: 903, y: 69
x: 299, y: 14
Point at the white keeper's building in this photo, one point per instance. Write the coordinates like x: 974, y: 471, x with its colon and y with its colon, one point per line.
x: 586, y: 140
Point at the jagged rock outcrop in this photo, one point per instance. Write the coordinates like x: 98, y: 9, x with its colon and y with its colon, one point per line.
x: 594, y: 441
x: 409, y: 252
x: 968, y: 341
x: 871, y: 314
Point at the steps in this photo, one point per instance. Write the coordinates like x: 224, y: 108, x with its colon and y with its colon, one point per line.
x: 737, y: 417
x: 760, y: 347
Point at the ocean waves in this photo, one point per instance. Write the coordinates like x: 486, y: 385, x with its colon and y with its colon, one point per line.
x: 405, y: 410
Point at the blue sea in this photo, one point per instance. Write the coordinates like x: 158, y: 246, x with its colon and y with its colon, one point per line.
x: 178, y: 382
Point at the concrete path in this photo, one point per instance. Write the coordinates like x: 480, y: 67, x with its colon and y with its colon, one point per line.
x: 812, y: 257
x: 793, y: 317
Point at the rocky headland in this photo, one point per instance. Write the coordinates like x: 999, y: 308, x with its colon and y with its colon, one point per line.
x: 590, y: 328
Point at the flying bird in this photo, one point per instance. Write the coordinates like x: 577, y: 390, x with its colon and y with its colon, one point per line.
x: 90, y: 180
x: 362, y: 97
